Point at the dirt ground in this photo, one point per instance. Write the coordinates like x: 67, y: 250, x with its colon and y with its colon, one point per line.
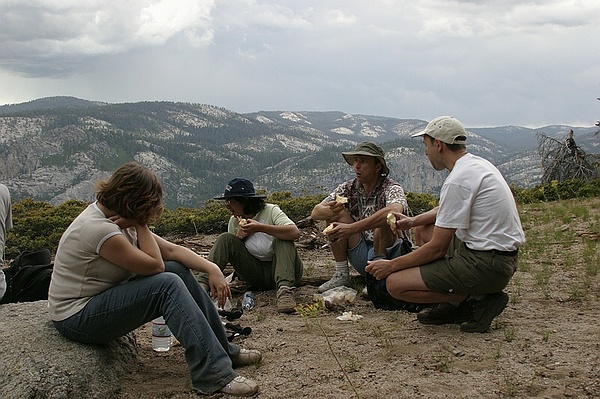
x: 546, y: 344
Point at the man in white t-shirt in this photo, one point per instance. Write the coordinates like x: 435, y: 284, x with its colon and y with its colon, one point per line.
x: 471, y: 239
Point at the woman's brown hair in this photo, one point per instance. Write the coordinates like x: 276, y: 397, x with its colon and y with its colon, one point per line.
x: 134, y: 192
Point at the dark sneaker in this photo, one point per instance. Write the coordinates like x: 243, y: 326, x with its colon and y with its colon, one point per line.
x: 484, y: 311
x: 445, y: 313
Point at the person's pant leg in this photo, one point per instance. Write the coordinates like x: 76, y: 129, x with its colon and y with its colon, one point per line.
x: 287, y: 265
x: 229, y: 249
x: 360, y: 254
x: 187, y: 309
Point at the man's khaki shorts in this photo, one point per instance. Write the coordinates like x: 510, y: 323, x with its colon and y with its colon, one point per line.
x: 466, y: 271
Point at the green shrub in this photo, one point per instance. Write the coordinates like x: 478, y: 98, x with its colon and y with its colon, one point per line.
x: 211, y: 219
x: 555, y: 191
x: 420, y: 203
x: 296, y: 208
x: 39, y: 225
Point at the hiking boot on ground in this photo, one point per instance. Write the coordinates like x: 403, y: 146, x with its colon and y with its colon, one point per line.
x: 339, y: 279
x: 445, y: 313
x: 246, y: 357
x: 240, y: 386
x: 484, y: 311
x: 285, y: 299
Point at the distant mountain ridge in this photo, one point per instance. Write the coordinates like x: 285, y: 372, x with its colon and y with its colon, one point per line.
x: 55, y: 148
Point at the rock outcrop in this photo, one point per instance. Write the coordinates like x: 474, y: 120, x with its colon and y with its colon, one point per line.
x: 37, y: 362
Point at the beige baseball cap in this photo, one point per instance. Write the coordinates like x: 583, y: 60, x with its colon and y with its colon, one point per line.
x: 446, y: 129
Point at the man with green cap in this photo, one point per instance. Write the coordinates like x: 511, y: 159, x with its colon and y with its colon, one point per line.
x: 360, y: 232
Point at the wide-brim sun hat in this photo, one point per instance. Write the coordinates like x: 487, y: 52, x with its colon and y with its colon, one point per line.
x: 446, y: 129
x: 370, y: 149
x: 239, y: 187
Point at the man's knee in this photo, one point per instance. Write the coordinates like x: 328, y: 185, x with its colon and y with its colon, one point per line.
x: 394, y: 287
x: 404, y: 281
x: 342, y: 217
x: 384, y: 238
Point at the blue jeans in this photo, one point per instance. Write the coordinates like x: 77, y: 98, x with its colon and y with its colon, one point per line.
x: 364, y: 252
x: 188, y: 311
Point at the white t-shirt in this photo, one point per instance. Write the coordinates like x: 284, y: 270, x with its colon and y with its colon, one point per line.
x: 477, y: 202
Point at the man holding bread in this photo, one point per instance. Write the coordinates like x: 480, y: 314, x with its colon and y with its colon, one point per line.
x: 471, y: 239
x: 356, y: 211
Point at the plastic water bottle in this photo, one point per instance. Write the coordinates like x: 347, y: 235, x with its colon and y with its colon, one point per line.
x: 247, y: 301
x: 161, y: 335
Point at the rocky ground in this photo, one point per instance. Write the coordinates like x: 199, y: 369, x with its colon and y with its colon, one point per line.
x: 546, y: 344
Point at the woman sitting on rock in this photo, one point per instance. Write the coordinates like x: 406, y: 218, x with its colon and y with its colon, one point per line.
x: 112, y: 275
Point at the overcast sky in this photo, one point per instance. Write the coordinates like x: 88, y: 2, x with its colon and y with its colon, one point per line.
x: 487, y: 62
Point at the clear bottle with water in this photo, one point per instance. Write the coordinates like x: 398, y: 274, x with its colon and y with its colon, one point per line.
x: 161, y: 335
x: 247, y: 301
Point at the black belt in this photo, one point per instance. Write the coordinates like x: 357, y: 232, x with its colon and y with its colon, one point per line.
x: 497, y: 252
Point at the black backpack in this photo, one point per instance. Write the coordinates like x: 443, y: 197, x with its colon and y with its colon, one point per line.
x: 28, y: 277
x: 381, y: 298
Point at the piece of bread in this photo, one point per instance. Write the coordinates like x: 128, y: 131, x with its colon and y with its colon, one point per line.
x: 328, y: 229
x: 391, y: 221
x: 241, y: 221
x: 341, y: 200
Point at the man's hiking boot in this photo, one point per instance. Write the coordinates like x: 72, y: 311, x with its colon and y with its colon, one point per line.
x: 285, y: 299
x: 339, y: 279
x: 484, y: 311
x: 445, y: 313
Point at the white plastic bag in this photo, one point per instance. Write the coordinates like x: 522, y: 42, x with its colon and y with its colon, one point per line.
x: 337, y: 297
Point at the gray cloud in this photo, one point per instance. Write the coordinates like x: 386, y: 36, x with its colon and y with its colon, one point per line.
x: 44, y: 37
x: 488, y: 62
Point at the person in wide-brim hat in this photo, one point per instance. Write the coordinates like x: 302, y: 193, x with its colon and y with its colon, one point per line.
x: 258, y: 244
x: 370, y: 149
x: 239, y: 187
x: 367, y: 199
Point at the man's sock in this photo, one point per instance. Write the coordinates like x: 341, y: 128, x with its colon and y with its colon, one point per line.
x: 342, y: 267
